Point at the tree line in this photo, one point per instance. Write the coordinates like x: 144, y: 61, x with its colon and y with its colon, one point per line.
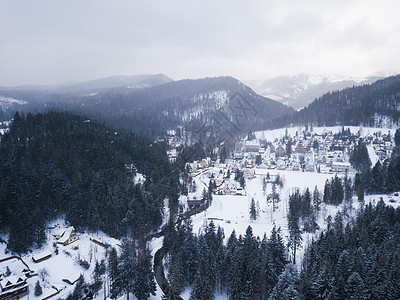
x: 245, y: 267
x: 357, y: 260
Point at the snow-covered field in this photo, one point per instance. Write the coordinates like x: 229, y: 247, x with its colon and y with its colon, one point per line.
x: 231, y: 212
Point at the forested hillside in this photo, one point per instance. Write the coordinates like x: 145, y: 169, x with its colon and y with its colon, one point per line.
x: 58, y: 164
x: 360, y: 260
x: 222, y: 102
x: 368, y: 105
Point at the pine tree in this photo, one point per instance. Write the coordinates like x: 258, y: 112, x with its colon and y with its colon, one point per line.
x: 235, y: 284
x: 307, y: 211
x: 327, y: 192
x: 98, y: 282
x: 274, y: 196
x: 355, y: 288
x: 38, y: 289
x: 286, y: 289
x: 289, y: 148
x: 358, y: 188
x: 144, y: 284
x: 397, y: 138
x: 113, y: 273
x: 295, y: 238
x: 242, y: 182
x: 316, y: 200
x: 205, y: 282
x: 127, y: 269
x: 175, y: 287
x: 253, y: 210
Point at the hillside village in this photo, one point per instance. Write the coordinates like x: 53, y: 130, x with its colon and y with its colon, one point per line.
x: 323, y: 150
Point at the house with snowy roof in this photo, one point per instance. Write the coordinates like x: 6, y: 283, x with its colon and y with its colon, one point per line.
x: 41, y: 256
x: 249, y: 173
x: 251, y: 146
x: 66, y: 236
x: 13, y: 287
x: 13, y: 275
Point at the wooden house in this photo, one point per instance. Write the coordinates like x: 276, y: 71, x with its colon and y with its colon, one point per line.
x: 193, y: 200
x: 67, y: 237
x: 13, y: 287
x: 340, y: 167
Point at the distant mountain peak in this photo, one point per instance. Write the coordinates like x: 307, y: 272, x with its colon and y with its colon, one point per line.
x: 301, y: 89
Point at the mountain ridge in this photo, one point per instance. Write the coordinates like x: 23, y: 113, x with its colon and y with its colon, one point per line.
x: 374, y: 104
x: 301, y: 89
x: 114, y: 81
x: 191, y: 103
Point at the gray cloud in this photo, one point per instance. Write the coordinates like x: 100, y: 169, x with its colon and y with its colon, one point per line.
x: 48, y: 41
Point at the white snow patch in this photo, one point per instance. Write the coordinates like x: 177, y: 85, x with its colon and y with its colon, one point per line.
x: 372, y: 155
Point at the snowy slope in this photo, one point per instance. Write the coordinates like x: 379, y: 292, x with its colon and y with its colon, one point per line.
x: 372, y: 155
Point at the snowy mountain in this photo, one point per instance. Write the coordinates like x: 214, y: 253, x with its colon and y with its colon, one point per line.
x: 301, y: 89
x: 192, y: 104
x: 222, y: 102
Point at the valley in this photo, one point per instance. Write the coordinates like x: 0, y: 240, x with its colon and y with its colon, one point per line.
x: 203, y: 178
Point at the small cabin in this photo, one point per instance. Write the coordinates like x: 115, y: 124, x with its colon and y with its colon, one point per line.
x: 193, y: 200
x: 41, y: 257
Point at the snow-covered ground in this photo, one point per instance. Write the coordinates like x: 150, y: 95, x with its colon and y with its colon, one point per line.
x: 372, y: 155
x: 231, y: 212
x: 65, y: 264
x: 271, y: 135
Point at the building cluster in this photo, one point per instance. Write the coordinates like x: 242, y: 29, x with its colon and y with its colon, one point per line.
x: 326, y: 152
x: 14, y: 273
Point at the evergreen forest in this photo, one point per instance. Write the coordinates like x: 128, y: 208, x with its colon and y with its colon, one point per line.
x: 59, y: 164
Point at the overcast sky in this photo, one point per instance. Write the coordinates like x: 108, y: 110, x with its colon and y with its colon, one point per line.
x: 50, y: 41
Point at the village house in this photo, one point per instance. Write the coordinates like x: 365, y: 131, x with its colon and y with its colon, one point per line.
x: 13, y: 275
x: 249, y: 173
x: 193, y: 200
x: 229, y: 188
x: 66, y: 236
x: 13, y: 287
x: 340, y: 167
x: 251, y: 146
x: 280, y: 151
